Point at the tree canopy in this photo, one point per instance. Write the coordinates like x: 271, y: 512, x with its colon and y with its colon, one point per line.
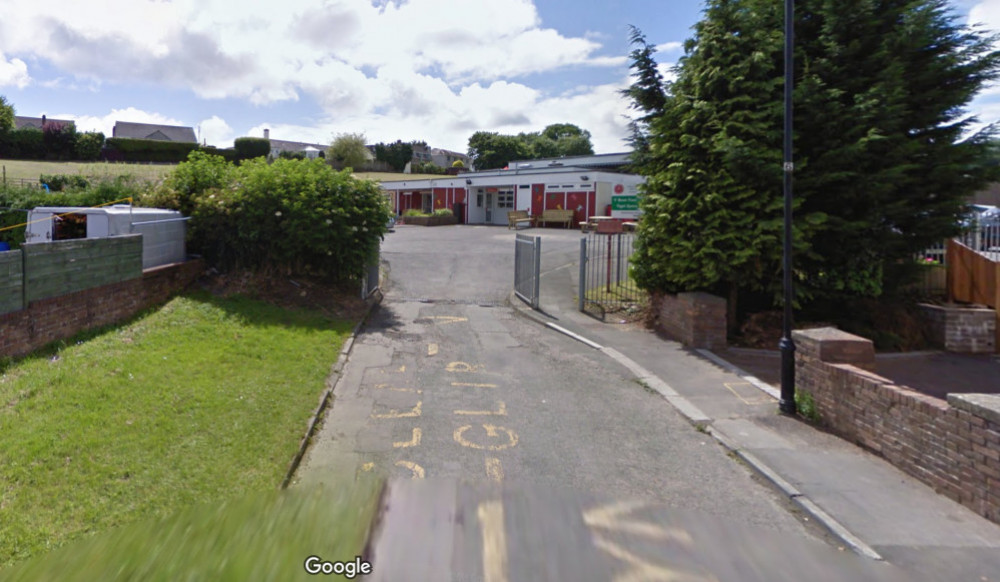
x: 397, y: 154
x: 492, y: 150
x: 348, y: 149
x: 6, y: 115
x: 882, y: 170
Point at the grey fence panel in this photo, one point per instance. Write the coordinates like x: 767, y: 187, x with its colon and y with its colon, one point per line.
x: 163, y: 241
x: 11, y: 281
x: 370, y: 280
x: 57, y: 268
x: 527, y: 268
x: 605, y: 285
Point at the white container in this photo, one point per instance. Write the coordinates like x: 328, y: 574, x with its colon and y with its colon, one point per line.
x: 163, y: 231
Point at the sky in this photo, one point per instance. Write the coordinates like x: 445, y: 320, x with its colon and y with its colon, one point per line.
x: 431, y: 70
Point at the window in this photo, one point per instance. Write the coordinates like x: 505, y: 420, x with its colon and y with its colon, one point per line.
x: 505, y: 199
x: 479, y: 199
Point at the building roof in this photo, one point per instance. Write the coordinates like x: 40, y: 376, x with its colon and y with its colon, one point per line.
x: 131, y: 130
x: 21, y: 122
x: 294, y: 146
x: 608, y: 162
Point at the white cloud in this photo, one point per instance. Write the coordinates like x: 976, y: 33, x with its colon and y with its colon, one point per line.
x: 986, y: 13
x: 13, y: 72
x: 669, y: 47
x: 215, y: 131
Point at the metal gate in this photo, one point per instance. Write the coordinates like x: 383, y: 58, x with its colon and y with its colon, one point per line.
x: 527, y: 268
x: 605, y: 284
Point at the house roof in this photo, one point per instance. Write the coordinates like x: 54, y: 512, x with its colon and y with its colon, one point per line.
x: 294, y: 146
x: 36, y: 122
x: 131, y: 130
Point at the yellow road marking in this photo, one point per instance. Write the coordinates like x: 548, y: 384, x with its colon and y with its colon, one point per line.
x: 490, y: 515
x: 415, y: 411
x: 367, y: 467
x: 609, y: 517
x: 390, y: 387
x: 643, y: 571
x: 494, y: 470
x: 473, y: 385
x: 410, y: 443
x: 432, y: 349
x: 501, y: 411
x: 461, y: 367
x: 751, y: 401
x: 446, y: 319
x: 417, y: 470
x: 491, y: 431
x: 400, y: 370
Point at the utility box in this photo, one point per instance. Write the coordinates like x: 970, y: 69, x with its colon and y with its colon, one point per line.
x: 163, y: 231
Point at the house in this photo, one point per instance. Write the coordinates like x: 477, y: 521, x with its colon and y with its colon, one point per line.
x: 178, y: 133
x: 589, y: 185
x: 446, y: 158
x: 310, y: 150
x: 38, y: 122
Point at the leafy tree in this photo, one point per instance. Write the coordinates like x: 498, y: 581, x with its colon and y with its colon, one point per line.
x: 881, y: 167
x: 491, y: 150
x: 199, y: 174
x: 458, y: 164
x: 348, y: 149
x: 59, y: 140
x: 6, y: 115
x: 89, y: 144
x: 647, y: 94
x: 397, y: 154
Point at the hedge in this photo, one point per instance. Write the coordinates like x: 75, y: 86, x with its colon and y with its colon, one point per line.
x: 146, y: 150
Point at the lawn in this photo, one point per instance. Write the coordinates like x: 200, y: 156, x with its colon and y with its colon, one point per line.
x: 31, y: 170
x: 198, y: 402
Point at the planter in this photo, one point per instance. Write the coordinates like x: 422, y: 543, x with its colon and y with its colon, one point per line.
x: 431, y: 220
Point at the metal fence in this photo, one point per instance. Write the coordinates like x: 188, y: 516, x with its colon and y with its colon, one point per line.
x: 605, y: 284
x: 527, y: 268
x: 370, y: 279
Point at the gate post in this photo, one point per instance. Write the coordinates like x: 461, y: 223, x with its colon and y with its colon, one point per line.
x: 583, y: 272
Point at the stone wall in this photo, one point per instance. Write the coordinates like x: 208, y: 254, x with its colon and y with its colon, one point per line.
x: 952, y: 446
x: 57, y: 318
x: 962, y: 329
x: 696, y: 319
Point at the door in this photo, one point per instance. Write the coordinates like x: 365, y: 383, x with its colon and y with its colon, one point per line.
x: 489, y: 207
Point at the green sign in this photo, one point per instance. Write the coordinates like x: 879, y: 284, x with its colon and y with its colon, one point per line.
x: 624, y: 203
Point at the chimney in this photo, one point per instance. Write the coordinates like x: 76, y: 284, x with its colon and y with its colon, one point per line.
x: 267, y: 134
x: 43, y: 121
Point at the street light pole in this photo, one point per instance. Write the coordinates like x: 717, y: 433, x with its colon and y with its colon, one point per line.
x: 787, y: 402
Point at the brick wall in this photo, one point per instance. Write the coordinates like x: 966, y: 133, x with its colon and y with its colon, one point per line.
x: 57, y: 318
x: 695, y: 319
x: 952, y: 446
x: 962, y: 329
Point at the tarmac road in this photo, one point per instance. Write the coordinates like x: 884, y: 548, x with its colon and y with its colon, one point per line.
x: 470, y: 409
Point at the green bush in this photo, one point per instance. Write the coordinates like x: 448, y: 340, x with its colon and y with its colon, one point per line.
x: 228, y: 154
x: 59, y: 140
x: 291, y: 216
x: 201, y: 172
x: 22, y: 144
x: 444, y: 212
x: 88, y: 145
x: 287, y: 155
x: 60, y: 182
x: 150, y: 150
x: 415, y: 212
x: 248, y: 148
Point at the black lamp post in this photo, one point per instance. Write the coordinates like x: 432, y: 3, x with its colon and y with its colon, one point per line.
x: 787, y: 402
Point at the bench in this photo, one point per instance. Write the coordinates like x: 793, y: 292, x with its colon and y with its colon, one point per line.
x: 516, y: 217
x: 563, y: 216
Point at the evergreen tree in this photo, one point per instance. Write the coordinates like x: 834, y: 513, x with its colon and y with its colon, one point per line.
x: 881, y: 170
x: 647, y: 94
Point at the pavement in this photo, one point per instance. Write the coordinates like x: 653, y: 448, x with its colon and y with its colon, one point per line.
x: 872, y: 507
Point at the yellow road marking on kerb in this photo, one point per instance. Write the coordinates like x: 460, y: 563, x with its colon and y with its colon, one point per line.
x: 500, y: 411
x: 432, y: 349
x: 750, y: 401
x: 415, y: 411
x: 417, y: 470
x: 494, y: 470
x: 473, y: 385
x: 410, y: 443
x: 490, y: 515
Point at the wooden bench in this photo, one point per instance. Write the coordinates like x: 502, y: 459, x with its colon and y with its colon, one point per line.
x: 563, y: 216
x: 516, y: 217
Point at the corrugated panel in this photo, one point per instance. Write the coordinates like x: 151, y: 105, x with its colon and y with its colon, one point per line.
x: 11, y: 281
x: 61, y: 267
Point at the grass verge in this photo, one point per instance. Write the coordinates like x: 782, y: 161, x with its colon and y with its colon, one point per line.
x: 266, y: 536
x: 199, y: 401
x: 31, y: 170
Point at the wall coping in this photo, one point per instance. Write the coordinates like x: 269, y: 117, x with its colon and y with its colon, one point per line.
x: 957, y: 307
x: 984, y: 405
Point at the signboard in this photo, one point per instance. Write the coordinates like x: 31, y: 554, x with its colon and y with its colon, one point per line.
x: 625, y: 202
